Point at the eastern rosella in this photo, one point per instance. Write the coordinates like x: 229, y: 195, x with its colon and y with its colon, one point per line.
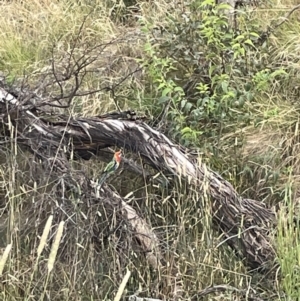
x: 111, y: 167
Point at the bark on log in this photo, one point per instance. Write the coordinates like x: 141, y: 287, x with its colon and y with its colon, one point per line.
x: 245, y: 223
x: 142, y: 231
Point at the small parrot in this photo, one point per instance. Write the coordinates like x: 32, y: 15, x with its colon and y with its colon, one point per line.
x: 111, y: 167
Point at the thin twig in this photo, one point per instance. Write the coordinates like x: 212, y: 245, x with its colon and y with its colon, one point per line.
x: 263, y: 37
x: 223, y: 288
x: 286, y: 17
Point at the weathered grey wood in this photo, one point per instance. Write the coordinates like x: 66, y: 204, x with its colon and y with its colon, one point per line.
x: 246, y: 223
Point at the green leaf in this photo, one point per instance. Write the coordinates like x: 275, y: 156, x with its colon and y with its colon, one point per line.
x: 212, y: 68
x: 254, y: 34
x: 207, y: 2
x: 224, y: 86
x: 224, y: 6
x: 163, y: 84
x: 186, y: 130
x: 163, y: 99
x: 166, y: 91
x: 236, y: 46
x: 240, y: 37
x: 178, y: 89
x: 249, y: 42
x: 278, y: 72
x: 189, y: 106
x: 183, y: 103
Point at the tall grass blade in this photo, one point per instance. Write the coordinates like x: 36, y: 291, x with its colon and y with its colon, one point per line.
x: 4, y: 257
x: 55, y: 246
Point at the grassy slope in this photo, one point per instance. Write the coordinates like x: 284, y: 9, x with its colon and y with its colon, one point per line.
x: 27, y: 33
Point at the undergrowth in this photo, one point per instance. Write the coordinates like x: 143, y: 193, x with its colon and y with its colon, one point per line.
x: 226, y: 94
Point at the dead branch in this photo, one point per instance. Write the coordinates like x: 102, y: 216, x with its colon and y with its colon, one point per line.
x: 136, y: 298
x: 54, y: 158
x: 142, y: 232
x: 224, y: 288
x: 286, y: 17
x: 245, y: 223
x: 265, y: 35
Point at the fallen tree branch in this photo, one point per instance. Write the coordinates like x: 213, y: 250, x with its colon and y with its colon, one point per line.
x: 246, y: 223
x: 224, y: 288
x: 141, y: 230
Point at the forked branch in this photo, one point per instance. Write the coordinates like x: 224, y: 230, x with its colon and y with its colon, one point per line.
x: 245, y: 223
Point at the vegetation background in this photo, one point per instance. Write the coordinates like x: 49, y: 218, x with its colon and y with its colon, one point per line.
x: 229, y: 93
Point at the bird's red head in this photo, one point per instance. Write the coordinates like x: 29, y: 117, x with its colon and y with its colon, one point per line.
x: 118, y: 156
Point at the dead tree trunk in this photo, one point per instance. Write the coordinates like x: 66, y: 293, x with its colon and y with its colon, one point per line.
x: 245, y: 222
